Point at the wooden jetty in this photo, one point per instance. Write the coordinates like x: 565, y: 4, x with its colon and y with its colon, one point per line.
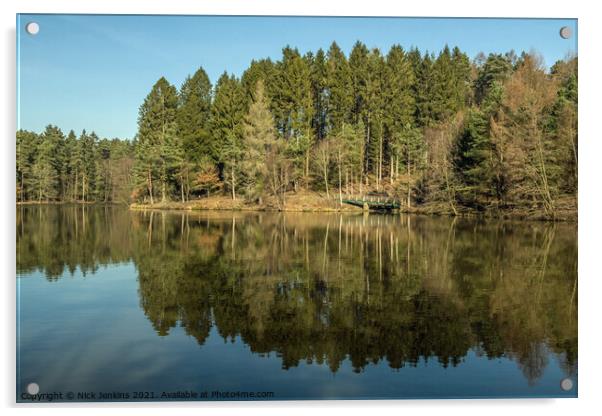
x: 373, y: 201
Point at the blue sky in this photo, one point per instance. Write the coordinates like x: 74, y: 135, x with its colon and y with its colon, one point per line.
x: 93, y: 71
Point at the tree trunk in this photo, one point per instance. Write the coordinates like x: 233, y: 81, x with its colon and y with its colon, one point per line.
x: 340, y: 178
x: 380, y: 162
x: 150, y: 187
x: 326, y: 181
x: 22, y: 187
x: 233, y: 184
x: 83, y: 188
x: 306, y: 173
x: 409, y: 202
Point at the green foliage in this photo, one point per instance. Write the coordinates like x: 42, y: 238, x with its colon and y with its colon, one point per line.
x: 496, y: 133
x: 473, y: 160
x: 226, y: 127
x: 156, y: 142
x: 263, y: 161
x: 193, y: 116
x: 495, y: 69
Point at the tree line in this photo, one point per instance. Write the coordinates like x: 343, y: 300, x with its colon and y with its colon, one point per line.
x: 84, y: 168
x: 436, y: 130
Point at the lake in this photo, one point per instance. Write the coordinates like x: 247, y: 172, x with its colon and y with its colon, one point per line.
x: 115, y: 304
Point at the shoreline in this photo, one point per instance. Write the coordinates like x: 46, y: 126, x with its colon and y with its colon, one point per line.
x: 315, y: 203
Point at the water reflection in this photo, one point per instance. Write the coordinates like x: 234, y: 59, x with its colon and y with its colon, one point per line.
x: 322, y: 288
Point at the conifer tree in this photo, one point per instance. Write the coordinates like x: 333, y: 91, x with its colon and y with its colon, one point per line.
x: 26, y: 152
x: 70, y: 169
x: 473, y: 160
x: 461, y: 70
x: 264, y: 161
x: 263, y: 69
x: 409, y: 145
x: 47, y: 166
x: 226, y: 127
x: 319, y: 87
x: 424, y: 89
x: 87, y: 143
x: 444, y: 102
x: 294, y: 109
x: 496, y: 68
x: 400, y: 102
x: 156, y: 138
x: 193, y: 114
x: 339, y: 100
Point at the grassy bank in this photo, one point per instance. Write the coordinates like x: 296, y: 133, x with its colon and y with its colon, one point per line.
x: 296, y: 202
x: 306, y: 201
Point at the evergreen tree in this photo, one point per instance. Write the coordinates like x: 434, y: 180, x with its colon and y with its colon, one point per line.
x: 293, y: 109
x: 409, y: 145
x: 496, y: 68
x: 473, y: 160
x: 263, y: 69
x: 373, y: 115
x: 87, y: 168
x: 443, y: 93
x: 319, y: 87
x: 226, y: 127
x: 47, y: 166
x: 193, y: 114
x: 263, y: 161
x: 70, y: 169
x: 156, y: 140
x: 104, y: 180
x: 26, y: 155
x: 461, y: 70
x: 339, y: 99
x: 424, y: 89
x: 400, y: 102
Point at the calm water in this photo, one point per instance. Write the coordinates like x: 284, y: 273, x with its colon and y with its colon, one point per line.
x: 303, y: 305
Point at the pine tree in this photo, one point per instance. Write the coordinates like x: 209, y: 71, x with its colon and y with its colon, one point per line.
x: 263, y: 160
x: 424, y: 98
x: 400, y: 103
x: 461, y: 70
x: 193, y: 114
x: 443, y: 92
x: 263, y: 69
x: 155, y: 139
x: 47, y: 169
x: 473, y: 160
x: 339, y: 96
x: 70, y: 169
x: 26, y: 153
x: 87, y: 144
x: 293, y: 109
x: 226, y: 127
x: 104, y: 180
x: 319, y: 86
x: 496, y: 68
x: 409, y: 145
x: 372, y: 115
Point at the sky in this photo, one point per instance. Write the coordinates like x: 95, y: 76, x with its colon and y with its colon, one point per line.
x: 93, y: 71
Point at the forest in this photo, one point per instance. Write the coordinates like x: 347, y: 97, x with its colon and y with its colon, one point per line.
x: 441, y: 132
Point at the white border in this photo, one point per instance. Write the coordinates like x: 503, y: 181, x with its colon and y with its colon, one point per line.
x: 590, y: 202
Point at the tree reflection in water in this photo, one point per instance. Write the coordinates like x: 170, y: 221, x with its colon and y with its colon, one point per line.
x: 327, y: 287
